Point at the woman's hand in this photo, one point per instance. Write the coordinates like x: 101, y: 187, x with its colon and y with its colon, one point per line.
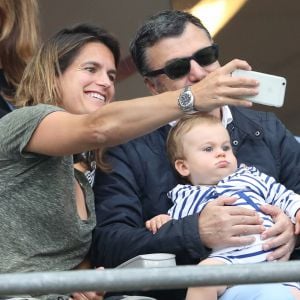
x: 87, y: 296
x: 219, y: 88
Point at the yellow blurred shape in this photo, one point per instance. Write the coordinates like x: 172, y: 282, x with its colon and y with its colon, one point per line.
x: 215, y: 14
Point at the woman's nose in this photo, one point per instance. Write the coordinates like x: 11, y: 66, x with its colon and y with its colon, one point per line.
x: 103, y: 80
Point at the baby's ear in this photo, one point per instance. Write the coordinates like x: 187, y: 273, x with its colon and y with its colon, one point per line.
x: 182, y: 167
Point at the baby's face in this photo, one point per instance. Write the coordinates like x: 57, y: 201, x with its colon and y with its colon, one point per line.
x: 208, y: 154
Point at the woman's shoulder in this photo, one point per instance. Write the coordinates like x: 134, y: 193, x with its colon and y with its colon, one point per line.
x: 30, y: 112
x: 38, y: 108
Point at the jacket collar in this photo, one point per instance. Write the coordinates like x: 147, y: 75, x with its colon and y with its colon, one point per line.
x: 246, y: 125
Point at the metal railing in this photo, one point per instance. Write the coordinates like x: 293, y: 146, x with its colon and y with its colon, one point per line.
x: 150, y: 279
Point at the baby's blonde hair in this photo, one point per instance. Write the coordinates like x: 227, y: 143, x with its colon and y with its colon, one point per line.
x: 183, y: 126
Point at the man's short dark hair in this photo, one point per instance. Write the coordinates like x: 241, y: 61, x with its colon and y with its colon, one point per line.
x: 167, y: 23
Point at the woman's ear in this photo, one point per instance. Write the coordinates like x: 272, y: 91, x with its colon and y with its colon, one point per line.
x: 182, y: 167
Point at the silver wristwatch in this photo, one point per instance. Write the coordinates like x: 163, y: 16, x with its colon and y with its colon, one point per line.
x: 186, y: 100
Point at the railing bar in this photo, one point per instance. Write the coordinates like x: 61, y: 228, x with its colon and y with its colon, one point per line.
x: 147, y: 279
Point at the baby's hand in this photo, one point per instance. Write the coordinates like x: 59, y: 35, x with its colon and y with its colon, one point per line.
x: 156, y: 222
x: 297, y: 225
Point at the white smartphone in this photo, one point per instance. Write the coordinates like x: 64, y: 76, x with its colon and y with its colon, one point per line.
x: 271, y: 87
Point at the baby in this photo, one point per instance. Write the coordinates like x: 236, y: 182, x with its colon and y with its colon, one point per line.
x: 199, y: 148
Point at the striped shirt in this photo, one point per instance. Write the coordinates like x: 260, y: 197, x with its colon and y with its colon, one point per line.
x: 252, y: 188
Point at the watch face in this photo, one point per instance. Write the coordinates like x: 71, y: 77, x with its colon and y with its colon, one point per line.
x: 185, y: 99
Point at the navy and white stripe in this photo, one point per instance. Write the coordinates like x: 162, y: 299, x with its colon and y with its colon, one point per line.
x: 246, y: 183
x: 252, y: 188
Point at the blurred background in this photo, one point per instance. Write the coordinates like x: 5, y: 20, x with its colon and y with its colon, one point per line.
x: 263, y: 32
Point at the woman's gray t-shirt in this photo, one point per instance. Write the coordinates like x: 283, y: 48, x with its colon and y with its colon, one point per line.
x: 40, y: 227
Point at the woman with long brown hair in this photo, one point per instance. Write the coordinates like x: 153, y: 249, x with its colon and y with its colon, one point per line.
x: 46, y: 202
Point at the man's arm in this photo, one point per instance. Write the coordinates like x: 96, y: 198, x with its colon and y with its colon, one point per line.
x: 279, y: 157
x: 126, y: 198
x: 287, y: 154
x: 286, y: 151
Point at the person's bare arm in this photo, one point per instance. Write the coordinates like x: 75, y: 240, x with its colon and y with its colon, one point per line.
x: 62, y: 133
x: 223, y: 226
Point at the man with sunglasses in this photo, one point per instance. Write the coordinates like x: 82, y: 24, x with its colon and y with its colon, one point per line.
x: 174, y: 50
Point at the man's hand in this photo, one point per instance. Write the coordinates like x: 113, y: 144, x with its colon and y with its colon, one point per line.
x: 297, y: 225
x: 223, y: 226
x: 281, y: 235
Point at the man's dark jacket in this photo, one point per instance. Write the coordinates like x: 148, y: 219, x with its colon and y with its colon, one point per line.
x: 136, y: 190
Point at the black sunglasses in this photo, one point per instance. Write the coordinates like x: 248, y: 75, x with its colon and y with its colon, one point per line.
x: 181, y: 66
